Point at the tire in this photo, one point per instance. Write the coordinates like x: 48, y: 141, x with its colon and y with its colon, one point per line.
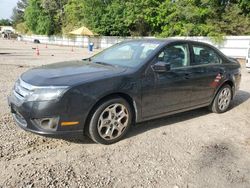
x: 110, y: 121
x: 222, y: 99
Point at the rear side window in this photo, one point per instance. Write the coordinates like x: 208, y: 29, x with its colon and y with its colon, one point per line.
x: 205, y: 55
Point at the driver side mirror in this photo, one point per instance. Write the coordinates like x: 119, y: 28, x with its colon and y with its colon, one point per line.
x: 161, y: 66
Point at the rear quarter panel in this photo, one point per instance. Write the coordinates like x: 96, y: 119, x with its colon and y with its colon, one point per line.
x: 233, y: 74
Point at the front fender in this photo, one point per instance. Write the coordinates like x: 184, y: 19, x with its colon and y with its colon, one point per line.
x: 82, y: 99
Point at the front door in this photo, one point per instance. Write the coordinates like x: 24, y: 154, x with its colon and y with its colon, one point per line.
x: 164, y: 92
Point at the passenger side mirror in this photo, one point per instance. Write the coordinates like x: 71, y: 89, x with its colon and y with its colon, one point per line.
x: 161, y: 66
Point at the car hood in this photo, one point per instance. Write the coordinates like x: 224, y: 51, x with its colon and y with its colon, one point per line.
x: 69, y: 73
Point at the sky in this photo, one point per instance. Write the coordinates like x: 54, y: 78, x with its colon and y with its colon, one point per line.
x: 6, y: 7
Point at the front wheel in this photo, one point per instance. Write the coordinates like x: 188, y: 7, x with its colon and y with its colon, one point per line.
x: 222, y: 100
x: 110, y: 121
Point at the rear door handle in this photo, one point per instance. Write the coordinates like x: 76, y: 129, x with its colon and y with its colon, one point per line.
x: 187, y: 75
x: 222, y: 71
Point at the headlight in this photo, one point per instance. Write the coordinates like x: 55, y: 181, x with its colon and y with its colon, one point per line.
x: 46, y: 93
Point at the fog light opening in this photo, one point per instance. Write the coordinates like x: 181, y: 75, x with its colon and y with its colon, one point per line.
x: 47, y: 123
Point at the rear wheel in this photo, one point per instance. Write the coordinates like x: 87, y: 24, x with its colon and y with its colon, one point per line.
x: 222, y: 99
x: 110, y: 121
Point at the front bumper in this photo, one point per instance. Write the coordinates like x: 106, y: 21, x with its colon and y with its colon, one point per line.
x: 26, y: 115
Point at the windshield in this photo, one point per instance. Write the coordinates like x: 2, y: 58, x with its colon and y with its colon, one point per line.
x: 129, y: 54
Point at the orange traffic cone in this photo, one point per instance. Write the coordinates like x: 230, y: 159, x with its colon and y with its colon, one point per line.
x: 37, y: 51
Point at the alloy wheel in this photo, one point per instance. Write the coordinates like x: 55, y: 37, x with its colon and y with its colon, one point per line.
x: 224, y: 99
x: 113, y: 121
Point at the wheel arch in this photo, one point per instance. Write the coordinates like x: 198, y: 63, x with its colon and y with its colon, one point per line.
x: 231, y: 84
x: 226, y: 82
x: 125, y: 96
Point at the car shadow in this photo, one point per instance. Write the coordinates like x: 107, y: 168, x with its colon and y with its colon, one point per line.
x: 140, y: 128
x: 75, y: 138
x: 166, y: 121
x: 241, y: 97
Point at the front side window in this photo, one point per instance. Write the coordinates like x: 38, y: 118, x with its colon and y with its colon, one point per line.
x: 176, y: 55
x: 205, y: 55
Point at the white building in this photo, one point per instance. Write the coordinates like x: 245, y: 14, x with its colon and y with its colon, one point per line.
x: 4, y: 28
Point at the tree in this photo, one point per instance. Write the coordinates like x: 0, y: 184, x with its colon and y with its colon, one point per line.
x: 139, y: 17
x: 185, y: 18
x: 90, y: 13
x: 93, y: 11
x: 245, y: 6
x: 22, y: 28
x: 18, y: 12
x: 42, y: 23
x: 55, y: 11
x: 5, y: 22
x: 73, y: 15
x: 233, y: 22
x: 202, y: 18
x: 142, y: 16
x: 113, y: 21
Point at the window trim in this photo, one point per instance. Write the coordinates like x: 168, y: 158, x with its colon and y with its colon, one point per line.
x: 172, y: 44
x: 193, y: 44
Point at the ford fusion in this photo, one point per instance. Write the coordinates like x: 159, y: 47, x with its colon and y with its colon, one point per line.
x: 130, y: 82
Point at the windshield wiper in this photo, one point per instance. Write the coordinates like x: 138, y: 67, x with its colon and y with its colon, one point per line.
x: 103, y: 63
x: 87, y: 59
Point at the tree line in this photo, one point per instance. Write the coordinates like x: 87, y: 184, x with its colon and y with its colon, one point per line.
x: 161, y: 18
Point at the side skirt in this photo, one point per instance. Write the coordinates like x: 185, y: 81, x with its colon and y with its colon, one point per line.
x: 173, y: 112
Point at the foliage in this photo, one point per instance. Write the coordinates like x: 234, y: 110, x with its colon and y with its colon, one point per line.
x: 114, y: 17
x: 245, y: 6
x: 5, y: 22
x: 142, y: 17
x: 164, y: 18
x: 18, y: 12
x: 228, y: 26
x: 73, y: 15
x: 54, y: 12
x: 22, y: 28
x: 36, y: 18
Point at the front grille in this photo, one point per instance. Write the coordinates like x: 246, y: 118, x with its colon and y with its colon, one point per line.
x: 22, y: 89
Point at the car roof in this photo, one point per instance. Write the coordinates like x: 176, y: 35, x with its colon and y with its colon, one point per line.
x: 166, y: 41
x: 172, y: 40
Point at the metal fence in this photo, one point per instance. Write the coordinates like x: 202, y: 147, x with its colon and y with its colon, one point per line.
x: 234, y: 46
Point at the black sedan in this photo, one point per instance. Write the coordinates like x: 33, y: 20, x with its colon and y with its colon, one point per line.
x: 130, y: 82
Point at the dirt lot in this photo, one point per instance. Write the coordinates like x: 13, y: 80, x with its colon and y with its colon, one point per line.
x: 191, y: 149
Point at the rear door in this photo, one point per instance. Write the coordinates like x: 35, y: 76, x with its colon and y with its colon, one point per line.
x: 206, y: 71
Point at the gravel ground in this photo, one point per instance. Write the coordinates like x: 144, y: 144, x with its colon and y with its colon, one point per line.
x: 191, y: 149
